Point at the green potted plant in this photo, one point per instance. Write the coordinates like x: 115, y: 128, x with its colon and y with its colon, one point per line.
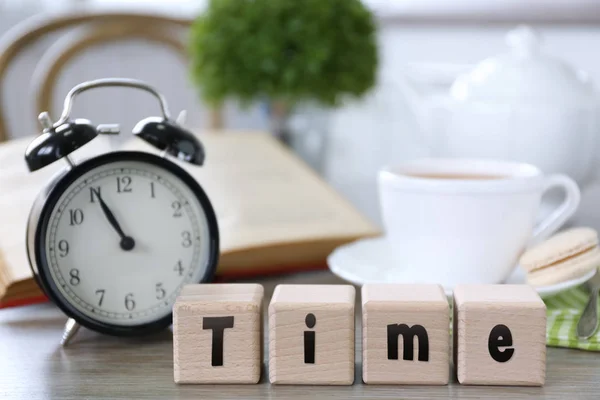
x: 284, y: 52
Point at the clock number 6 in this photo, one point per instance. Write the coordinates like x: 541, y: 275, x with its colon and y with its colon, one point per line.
x: 129, y: 302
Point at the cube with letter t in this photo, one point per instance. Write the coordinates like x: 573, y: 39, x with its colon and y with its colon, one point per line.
x: 311, y: 335
x: 217, y: 333
x: 499, y: 335
x: 406, y: 334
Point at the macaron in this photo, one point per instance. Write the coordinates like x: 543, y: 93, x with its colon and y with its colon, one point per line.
x: 564, y: 256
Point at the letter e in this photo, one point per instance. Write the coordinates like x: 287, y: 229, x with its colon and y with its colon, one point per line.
x: 500, y: 336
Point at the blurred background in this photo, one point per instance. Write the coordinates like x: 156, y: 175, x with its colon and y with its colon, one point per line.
x: 427, y: 41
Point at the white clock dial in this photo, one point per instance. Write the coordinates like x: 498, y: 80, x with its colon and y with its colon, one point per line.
x: 128, y: 269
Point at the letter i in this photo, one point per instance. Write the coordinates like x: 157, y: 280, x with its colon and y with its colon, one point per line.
x: 309, y: 339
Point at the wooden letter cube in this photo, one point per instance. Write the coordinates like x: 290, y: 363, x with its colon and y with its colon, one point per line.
x: 311, y: 335
x: 499, y: 335
x: 406, y: 334
x: 217, y: 333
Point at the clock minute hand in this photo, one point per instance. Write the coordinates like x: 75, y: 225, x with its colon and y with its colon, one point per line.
x: 127, y: 243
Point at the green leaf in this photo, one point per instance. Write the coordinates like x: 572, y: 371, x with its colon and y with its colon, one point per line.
x: 320, y: 50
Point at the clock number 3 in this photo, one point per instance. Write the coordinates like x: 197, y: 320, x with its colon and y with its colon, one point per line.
x: 187, y: 239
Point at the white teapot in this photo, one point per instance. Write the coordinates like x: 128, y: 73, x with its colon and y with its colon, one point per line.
x: 524, y: 105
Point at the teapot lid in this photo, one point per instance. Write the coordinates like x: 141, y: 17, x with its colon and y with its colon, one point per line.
x: 524, y: 75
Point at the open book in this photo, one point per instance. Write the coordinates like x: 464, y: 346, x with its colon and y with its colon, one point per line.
x: 275, y: 214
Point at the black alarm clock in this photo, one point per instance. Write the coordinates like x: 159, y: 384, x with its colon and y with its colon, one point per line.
x: 112, y: 239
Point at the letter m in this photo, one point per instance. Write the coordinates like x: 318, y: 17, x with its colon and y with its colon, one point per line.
x: 408, y: 334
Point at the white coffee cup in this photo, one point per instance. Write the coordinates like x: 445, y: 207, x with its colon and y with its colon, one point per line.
x: 468, y: 221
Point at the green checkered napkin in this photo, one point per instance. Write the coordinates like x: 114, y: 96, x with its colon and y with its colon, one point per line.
x: 563, y: 311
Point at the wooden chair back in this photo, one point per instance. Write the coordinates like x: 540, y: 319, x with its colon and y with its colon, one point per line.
x: 91, y: 29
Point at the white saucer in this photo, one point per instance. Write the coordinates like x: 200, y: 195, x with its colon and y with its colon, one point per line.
x: 371, y: 261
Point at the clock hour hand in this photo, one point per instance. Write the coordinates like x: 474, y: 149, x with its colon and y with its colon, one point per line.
x: 127, y: 243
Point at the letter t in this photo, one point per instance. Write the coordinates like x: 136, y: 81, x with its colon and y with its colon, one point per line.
x: 218, y: 326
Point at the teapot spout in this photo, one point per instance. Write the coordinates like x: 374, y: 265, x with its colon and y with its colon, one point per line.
x: 414, y: 91
x: 426, y: 88
x: 416, y: 101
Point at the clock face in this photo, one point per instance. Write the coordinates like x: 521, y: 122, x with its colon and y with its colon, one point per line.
x: 122, y: 238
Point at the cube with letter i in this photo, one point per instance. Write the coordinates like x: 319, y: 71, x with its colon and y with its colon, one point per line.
x: 217, y: 333
x: 406, y: 334
x: 311, y: 335
x: 499, y: 335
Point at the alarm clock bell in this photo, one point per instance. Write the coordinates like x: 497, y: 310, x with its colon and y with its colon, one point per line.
x: 164, y: 135
x: 63, y: 137
x: 56, y: 143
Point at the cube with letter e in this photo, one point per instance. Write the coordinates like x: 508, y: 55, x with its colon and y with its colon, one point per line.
x: 406, y: 334
x: 217, y: 333
x: 499, y: 335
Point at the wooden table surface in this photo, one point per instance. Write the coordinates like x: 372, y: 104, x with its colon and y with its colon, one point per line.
x: 34, y: 366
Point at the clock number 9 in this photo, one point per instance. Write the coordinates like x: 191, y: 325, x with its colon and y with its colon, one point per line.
x: 129, y: 302
x: 63, y: 248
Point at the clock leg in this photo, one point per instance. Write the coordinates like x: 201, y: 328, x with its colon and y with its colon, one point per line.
x: 71, y: 328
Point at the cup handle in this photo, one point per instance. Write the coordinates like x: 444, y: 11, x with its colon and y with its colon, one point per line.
x: 563, y: 212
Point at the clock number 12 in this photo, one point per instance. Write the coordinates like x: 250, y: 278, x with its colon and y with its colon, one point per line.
x: 123, y: 184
